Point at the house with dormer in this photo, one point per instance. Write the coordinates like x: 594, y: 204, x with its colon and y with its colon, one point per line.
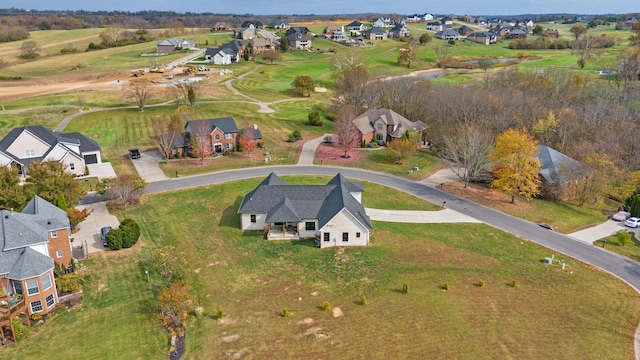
x: 332, y: 214
x: 385, y: 125
x: 356, y: 27
x: 399, y: 31
x: 28, y: 144
x: 30, y: 242
x: 435, y: 26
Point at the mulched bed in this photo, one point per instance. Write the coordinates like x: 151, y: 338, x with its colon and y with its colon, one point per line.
x: 333, y: 154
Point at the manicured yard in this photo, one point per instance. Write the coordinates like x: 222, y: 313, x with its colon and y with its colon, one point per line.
x: 378, y: 160
x: 562, y: 216
x: 630, y: 250
x: 551, y: 313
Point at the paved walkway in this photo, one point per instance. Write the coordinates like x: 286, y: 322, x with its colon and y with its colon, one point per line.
x: 308, y: 152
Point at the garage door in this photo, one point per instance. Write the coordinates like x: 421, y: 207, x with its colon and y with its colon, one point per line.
x: 91, y: 159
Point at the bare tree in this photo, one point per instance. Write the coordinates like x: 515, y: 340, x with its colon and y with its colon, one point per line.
x: 408, y: 51
x: 442, y: 54
x: 352, y: 77
x: 29, y: 50
x: 164, y: 136
x: 187, y: 93
x: 200, y: 131
x: 126, y: 189
x: 468, y: 149
x: 112, y: 35
x: 345, y: 129
x: 138, y: 91
x: 271, y: 55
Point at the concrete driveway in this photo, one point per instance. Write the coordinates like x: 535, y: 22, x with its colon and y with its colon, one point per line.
x: 147, y: 166
x: 420, y: 217
x: 90, y: 227
x: 607, y: 228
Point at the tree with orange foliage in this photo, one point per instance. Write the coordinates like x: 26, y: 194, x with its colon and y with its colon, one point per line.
x: 246, y: 141
x: 174, y: 302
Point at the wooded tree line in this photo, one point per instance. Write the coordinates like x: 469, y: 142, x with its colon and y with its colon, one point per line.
x: 595, y: 121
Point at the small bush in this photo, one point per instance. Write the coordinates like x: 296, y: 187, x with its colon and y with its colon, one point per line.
x: 296, y: 133
x: 445, y: 286
x: 286, y: 312
x: 219, y: 314
x: 36, y: 316
x: 405, y: 288
x: 363, y: 300
x: 623, y: 237
x: 199, y: 311
x: 19, y: 329
x: 514, y: 284
x: 115, y: 239
x: 326, y: 306
x: 481, y: 283
x: 291, y: 138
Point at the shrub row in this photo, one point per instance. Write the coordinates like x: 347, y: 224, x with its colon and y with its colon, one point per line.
x: 125, y: 236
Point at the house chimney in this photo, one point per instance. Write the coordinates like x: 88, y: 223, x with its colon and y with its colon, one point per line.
x: 255, y: 126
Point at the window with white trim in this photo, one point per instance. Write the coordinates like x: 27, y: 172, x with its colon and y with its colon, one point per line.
x: 228, y: 135
x: 50, y: 300
x: 59, y: 254
x: 29, y: 153
x: 32, y: 287
x: 253, y: 218
x: 345, y: 236
x: 36, y: 306
x: 228, y: 146
x: 217, y: 137
x: 54, y: 234
x: 358, y: 235
x: 72, y: 166
x: 46, y: 282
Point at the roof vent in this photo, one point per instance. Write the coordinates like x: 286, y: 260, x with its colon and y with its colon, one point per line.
x: 6, y: 216
x: 48, y: 222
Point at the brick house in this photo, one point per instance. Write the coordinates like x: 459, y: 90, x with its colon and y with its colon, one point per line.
x: 220, y: 135
x: 385, y: 125
x: 30, y: 242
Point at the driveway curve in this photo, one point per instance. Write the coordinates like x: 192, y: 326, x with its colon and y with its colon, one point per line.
x: 619, y: 266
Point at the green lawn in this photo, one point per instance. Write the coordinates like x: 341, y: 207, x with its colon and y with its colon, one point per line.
x: 631, y: 250
x: 379, y: 160
x: 580, y: 313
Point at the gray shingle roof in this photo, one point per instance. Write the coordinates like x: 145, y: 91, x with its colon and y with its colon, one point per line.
x: 291, y: 203
x: 30, y: 264
x: 226, y: 125
x: 19, y: 231
x: 558, y: 168
x: 51, y: 138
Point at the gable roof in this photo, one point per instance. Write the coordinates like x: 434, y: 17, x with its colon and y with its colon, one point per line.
x: 20, y: 231
x: 558, y: 168
x: 364, y: 122
x: 226, y: 124
x: 50, y: 138
x: 293, y: 203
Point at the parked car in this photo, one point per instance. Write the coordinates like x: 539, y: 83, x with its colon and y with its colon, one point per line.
x: 546, y: 226
x: 632, y: 222
x: 104, y: 231
x: 203, y: 68
x: 134, y: 153
x: 621, y: 216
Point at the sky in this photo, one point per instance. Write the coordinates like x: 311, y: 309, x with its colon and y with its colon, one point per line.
x: 325, y: 7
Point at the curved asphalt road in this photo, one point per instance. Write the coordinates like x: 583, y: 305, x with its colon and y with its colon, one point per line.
x: 625, y: 269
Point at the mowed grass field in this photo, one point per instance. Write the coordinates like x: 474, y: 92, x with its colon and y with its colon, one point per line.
x: 577, y: 313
